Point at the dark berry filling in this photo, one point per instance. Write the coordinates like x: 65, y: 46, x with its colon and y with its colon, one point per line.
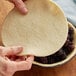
x: 62, y: 54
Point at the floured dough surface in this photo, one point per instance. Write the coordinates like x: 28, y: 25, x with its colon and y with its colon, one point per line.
x: 41, y: 32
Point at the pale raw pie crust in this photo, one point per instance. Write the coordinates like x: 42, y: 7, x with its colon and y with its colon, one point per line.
x: 41, y: 32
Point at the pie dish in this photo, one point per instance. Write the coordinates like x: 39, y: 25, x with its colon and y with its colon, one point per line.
x: 69, y: 55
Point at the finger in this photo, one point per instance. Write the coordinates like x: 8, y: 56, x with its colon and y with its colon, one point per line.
x: 2, y: 60
x: 2, y: 66
x: 20, y: 6
x: 12, y: 50
x: 24, y: 65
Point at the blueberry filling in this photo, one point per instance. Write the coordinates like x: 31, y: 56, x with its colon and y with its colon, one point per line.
x: 62, y: 54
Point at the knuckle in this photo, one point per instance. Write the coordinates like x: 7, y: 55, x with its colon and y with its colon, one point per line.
x: 5, y: 68
x: 8, y: 68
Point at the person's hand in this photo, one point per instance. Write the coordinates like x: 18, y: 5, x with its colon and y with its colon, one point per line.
x: 10, y: 62
x: 20, y: 6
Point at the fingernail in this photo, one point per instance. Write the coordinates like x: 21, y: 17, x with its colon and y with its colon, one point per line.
x: 24, y: 11
x: 18, y: 48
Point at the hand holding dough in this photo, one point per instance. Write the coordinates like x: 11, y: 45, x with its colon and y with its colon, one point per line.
x: 9, y: 63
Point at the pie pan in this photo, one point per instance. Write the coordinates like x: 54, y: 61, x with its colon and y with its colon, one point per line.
x: 68, y: 58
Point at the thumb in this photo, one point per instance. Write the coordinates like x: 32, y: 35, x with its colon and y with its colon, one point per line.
x: 12, y: 50
x: 20, y: 6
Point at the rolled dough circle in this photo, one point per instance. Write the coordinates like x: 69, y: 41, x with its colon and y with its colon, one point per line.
x: 41, y: 32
